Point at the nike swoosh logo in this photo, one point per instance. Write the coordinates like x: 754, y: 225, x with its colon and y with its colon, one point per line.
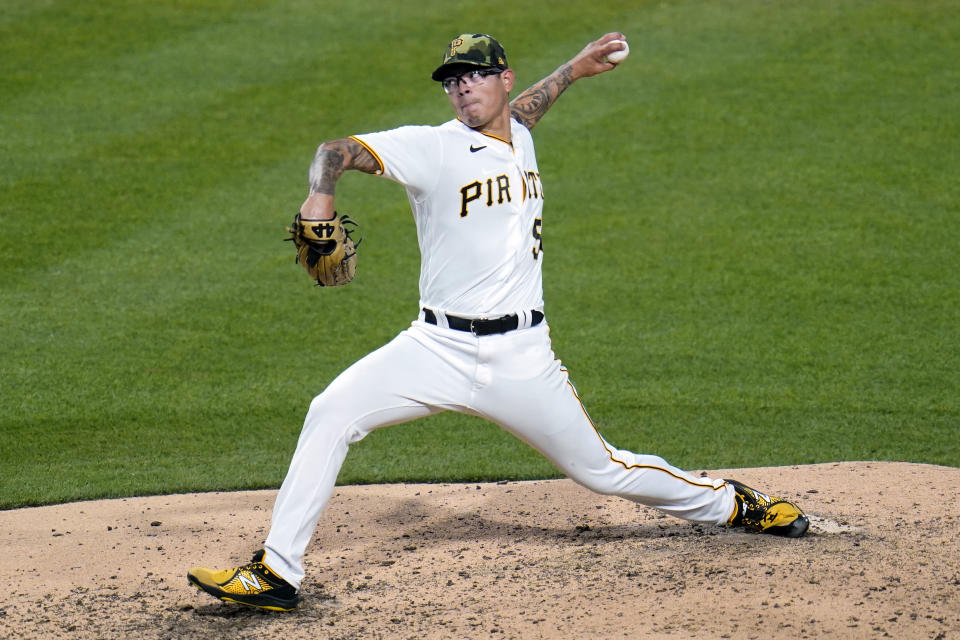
x: 474, y: 149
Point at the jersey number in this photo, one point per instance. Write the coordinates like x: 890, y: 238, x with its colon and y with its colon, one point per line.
x: 538, y: 236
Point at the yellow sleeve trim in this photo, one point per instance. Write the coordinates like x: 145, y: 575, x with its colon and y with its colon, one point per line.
x: 372, y: 152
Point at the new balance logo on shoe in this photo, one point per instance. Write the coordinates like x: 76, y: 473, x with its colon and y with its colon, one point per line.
x: 254, y: 585
x: 250, y: 583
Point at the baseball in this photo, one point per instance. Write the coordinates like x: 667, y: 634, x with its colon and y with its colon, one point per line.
x: 619, y: 56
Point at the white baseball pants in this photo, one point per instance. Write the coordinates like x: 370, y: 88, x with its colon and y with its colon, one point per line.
x: 512, y: 379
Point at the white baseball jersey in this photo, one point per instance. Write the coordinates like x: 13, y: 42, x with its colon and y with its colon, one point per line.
x: 477, y: 201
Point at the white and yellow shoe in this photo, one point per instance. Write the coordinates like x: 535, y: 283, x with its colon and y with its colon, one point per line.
x: 253, y: 585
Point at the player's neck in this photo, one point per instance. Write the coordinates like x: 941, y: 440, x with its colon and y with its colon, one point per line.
x: 499, y: 127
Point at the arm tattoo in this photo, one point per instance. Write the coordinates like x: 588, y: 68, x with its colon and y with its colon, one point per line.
x: 530, y: 105
x: 335, y: 157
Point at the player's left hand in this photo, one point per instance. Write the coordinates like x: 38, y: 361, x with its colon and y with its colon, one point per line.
x: 325, y: 249
x: 592, y: 59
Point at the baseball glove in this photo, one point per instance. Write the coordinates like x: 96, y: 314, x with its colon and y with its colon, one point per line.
x: 325, y: 249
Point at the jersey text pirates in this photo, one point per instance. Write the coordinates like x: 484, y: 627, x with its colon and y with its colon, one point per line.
x: 477, y: 201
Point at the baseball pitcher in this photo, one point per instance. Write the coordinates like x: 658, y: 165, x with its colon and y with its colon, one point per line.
x: 481, y: 343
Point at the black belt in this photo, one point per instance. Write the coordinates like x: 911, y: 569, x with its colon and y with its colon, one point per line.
x: 483, y: 326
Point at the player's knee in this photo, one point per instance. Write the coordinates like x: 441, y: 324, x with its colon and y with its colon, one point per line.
x: 332, y: 406
x: 598, y: 483
x: 337, y: 419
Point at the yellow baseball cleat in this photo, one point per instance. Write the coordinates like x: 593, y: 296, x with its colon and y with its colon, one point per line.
x: 763, y: 514
x: 253, y: 585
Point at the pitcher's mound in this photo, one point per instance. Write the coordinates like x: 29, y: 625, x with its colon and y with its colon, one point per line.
x: 522, y: 560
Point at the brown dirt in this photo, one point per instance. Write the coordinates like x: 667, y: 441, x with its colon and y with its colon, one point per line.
x: 520, y: 560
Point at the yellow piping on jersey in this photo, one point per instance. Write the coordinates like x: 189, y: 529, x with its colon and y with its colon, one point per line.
x: 372, y: 152
x: 490, y: 135
x: 635, y: 466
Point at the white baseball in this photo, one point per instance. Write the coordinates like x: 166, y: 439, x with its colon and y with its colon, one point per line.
x: 619, y: 56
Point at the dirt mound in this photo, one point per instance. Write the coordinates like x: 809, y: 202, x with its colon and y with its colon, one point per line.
x: 522, y: 560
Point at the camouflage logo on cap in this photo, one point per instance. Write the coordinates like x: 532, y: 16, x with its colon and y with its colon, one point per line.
x: 472, y: 49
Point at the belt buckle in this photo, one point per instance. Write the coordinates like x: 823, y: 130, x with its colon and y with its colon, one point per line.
x: 473, y: 326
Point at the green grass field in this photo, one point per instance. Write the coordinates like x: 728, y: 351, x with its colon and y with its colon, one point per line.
x: 751, y: 229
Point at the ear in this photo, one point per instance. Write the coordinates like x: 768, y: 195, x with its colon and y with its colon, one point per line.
x: 507, y: 78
